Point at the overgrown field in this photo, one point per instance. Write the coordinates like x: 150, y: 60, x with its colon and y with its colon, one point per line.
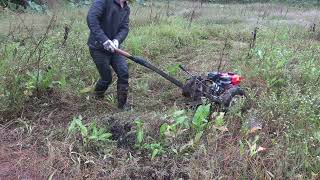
x: 51, y: 127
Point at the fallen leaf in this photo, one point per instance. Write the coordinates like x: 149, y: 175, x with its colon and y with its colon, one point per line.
x: 222, y: 128
x: 261, y: 149
x: 86, y: 90
x: 254, y: 129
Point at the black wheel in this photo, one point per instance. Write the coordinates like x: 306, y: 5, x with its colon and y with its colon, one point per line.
x: 232, y: 96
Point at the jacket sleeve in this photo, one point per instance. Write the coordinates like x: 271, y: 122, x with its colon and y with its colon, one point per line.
x: 124, y: 28
x: 95, y: 13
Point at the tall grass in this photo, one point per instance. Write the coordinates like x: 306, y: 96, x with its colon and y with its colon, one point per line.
x: 281, y: 80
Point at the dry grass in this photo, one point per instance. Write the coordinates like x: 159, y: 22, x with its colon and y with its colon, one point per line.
x: 35, y: 142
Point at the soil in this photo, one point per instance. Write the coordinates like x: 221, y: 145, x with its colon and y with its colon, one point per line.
x: 23, y: 140
x: 123, y: 134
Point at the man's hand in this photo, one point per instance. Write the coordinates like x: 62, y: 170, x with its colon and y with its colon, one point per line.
x: 109, y: 46
x: 116, y: 43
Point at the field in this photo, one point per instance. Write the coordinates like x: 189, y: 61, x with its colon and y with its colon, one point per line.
x: 52, y: 128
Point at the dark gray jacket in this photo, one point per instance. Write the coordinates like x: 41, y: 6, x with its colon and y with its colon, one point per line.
x: 107, y: 20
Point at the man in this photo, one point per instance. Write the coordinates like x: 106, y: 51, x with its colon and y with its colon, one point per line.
x: 108, y: 21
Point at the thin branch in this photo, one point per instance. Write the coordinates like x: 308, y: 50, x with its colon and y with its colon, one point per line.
x: 44, y: 37
x: 222, y: 53
x: 38, y: 70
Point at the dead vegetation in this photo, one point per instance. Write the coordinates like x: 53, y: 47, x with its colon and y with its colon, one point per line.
x: 279, y: 63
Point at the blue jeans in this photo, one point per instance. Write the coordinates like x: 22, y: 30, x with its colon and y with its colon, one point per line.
x: 103, y: 61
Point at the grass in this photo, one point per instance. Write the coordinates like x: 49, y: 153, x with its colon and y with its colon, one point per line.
x: 42, y: 79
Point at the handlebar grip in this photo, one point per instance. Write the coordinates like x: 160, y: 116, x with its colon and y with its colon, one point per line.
x: 123, y: 53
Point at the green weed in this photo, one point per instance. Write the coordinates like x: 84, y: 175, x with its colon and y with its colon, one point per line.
x: 41, y: 80
x: 219, y: 121
x: 180, y: 124
x: 139, y: 132
x: 89, y: 133
x: 155, y: 149
x: 200, y: 118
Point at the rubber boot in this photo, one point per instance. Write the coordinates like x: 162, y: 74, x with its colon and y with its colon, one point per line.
x: 99, y: 91
x: 99, y: 95
x: 122, y: 95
